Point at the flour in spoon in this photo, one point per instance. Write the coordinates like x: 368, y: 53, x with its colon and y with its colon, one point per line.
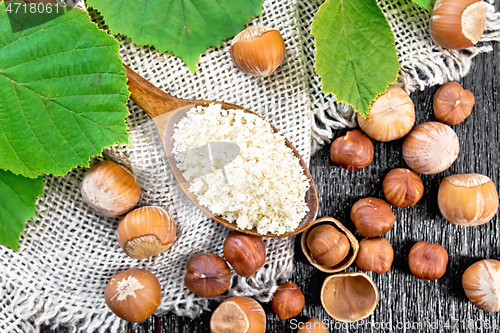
x: 263, y: 187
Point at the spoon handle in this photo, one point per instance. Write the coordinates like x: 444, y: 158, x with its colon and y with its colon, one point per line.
x: 152, y: 100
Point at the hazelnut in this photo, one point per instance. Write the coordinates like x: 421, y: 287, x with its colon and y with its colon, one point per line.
x: 328, y: 246
x: 430, y: 148
x: 375, y: 255
x: 245, y: 253
x: 238, y: 315
x: 427, y: 261
x: 313, y: 325
x: 481, y: 282
x: 288, y: 301
x: 146, y: 231
x: 352, y: 151
x: 452, y: 103
x: 468, y: 199
x: 457, y: 24
x: 133, y: 295
x: 320, y: 247
x: 208, y: 275
x: 403, y: 187
x: 349, y: 297
x: 391, y: 117
x: 372, y: 217
x: 258, y: 50
x: 110, y: 189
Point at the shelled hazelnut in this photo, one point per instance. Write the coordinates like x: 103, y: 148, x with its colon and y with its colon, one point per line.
x: 403, y: 187
x: 375, y: 255
x: 427, y: 261
x: 452, y: 103
x: 288, y: 301
x: 372, y: 217
x: 208, y: 275
x: 110, y: 189
x: 327, y: 245
x: 245, y: 253
x: 313, y: 325
x: 353, y: 151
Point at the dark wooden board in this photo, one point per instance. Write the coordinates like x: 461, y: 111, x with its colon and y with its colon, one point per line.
x: 405, y: 302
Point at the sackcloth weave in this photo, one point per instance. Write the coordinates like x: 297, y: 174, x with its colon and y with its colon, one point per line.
x: 68, y: 253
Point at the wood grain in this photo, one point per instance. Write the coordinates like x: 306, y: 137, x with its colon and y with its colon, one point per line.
x: 404, y: 300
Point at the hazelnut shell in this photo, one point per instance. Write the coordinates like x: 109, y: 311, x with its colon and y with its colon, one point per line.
x: 349, y: 297
x: 347, y: 261
x: 238, y: 315
x: 481, y: 283
x: 353, y: 151
x: 430, y: 148
x: 313, y: 325
x: 468, y: 199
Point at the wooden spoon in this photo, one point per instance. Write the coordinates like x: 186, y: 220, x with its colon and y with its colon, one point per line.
x: 166, y: 111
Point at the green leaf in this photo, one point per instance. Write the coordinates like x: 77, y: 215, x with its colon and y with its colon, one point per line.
x: 355, y: 53
x: 186, y: 28
x: 426, y: 4
x: 17, y: 204
x: 63, y: 93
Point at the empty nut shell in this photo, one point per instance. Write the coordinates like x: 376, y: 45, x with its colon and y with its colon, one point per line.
x: 452, y: 103
x: 349, y: 297
x: 430, y: 148
x: 375, y: 255
x: 427, y: 261
x: 403, y: 187
x: 468, y: 199
x: 481, y: 282
x: 352, y: 151
x: 372, y: 217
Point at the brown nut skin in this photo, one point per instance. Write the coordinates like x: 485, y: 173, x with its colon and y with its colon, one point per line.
x: 110, y: 189
x: 208, y: 275
x: 457, y: 24
x: 238, y: 315
x: 313, y: 325
x: 391, y: 116
x: 245, y: 253
x: 375, y: 255
x: 288, y: 301
x: 481, y: 283
x: 403, y: 187
x: 427, y: 261
x: 133, y: 295
x: 452, y: 103
x: 146, y: 231
x: 430, y: 148
x: 467, y: 199
x: 327, y: 245
x: 353, y: 151
x: 372, y: 217
x: 258, y: 50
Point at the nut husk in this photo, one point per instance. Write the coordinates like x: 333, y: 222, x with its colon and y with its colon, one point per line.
x: 347, y: 261
x: 349, y: 297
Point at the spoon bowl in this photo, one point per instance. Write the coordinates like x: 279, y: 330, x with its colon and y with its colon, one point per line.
x: 166, y: 111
